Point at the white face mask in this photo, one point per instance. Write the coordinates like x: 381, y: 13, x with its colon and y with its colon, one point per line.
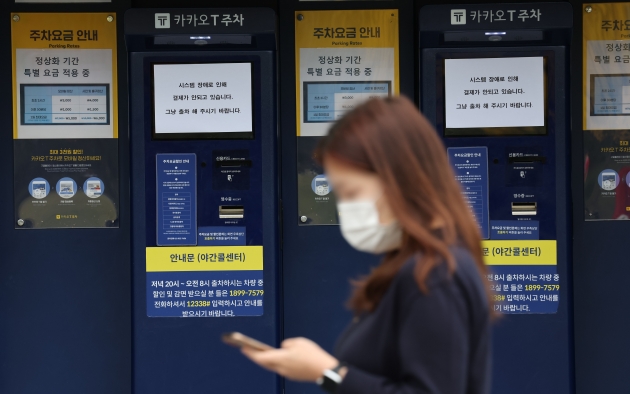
x: 360, y: 226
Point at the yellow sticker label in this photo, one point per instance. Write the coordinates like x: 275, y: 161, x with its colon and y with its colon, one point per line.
x: 335, y: 53
x: 204, y: 258
x: 69, y: 50
x: 332, y: 29
x: 520, y: 252
x: 606, y: 56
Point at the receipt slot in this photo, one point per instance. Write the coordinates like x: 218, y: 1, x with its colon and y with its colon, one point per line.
x: 494, y: 83
x: 204, y: 195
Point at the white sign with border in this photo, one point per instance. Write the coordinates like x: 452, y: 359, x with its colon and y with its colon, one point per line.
x: 203, y: 98
x: 505, y: 92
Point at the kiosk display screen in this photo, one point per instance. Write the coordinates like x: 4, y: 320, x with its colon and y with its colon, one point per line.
x: 208, y: 100
x: 495, y: 96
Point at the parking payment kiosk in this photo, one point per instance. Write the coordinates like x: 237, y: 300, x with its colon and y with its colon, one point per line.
x: 494, y: 83
x: 204, y: 196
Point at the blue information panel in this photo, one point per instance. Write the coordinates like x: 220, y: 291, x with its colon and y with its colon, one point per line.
x: 610, y: 94
x: 471, y: 171
x: 328, y: 101
x: 522, y: 289
x: 514, y: 229
x: 64, y: 104
x: 176, y: 199
x: 205, y: 294
x: 221, y: 236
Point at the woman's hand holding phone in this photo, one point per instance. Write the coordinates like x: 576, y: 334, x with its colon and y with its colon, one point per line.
x: 240, y: 340
x: 297, y: 359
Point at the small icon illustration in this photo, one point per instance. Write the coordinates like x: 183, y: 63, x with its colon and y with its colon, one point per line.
x: 162, y: 21
x: 458, y: 17
x: 320, y: 185
x: 39, y: 188
x: 608, y: 179
x: 93, y: 187
x: 66, y: 188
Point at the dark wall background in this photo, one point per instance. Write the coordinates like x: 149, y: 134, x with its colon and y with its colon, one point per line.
x: 65, y: 320
x: 65, y: 311
x: 599, y: 266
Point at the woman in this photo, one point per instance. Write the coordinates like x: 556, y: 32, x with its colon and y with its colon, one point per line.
x: 423, y: 316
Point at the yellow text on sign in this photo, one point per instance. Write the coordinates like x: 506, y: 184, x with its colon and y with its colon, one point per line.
x: 520, y: 252
x: 326, y: 29
x: 204, y: 258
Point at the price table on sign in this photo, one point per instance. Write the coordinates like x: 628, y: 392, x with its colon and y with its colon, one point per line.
x: 64, y: 104
x: 329, y: 101
x: 610, y: 94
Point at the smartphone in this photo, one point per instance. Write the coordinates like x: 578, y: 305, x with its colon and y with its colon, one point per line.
x: 239, y: 340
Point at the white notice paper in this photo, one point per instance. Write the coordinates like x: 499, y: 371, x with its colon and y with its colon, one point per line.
x: 494, y: 92
x: 607, y: 85
x: 203, y: 98
x: 64, y: 93
x: 336, y: 80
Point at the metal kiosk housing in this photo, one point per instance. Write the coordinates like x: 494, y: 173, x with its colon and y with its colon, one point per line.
x: 186, y: 355
x: 522, y: 343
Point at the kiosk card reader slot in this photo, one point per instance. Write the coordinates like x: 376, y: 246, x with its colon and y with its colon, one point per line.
x: 231, y: 211
x: 494, y: 84
x: 524, y: 208
x: 234, y: 163
x: 203, y: 140
x: 529, y: 159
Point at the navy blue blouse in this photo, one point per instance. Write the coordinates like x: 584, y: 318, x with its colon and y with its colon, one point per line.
x: 437, y: 343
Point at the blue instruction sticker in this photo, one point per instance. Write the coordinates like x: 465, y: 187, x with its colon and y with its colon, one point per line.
x: 205, y: 294
x: 471, y: 171
x: 524, y: 289
x: 221, y: 236
x: 176, y: 199
x: 514, y: 229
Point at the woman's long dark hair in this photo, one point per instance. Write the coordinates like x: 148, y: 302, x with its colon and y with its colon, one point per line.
x: 390, y: 138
